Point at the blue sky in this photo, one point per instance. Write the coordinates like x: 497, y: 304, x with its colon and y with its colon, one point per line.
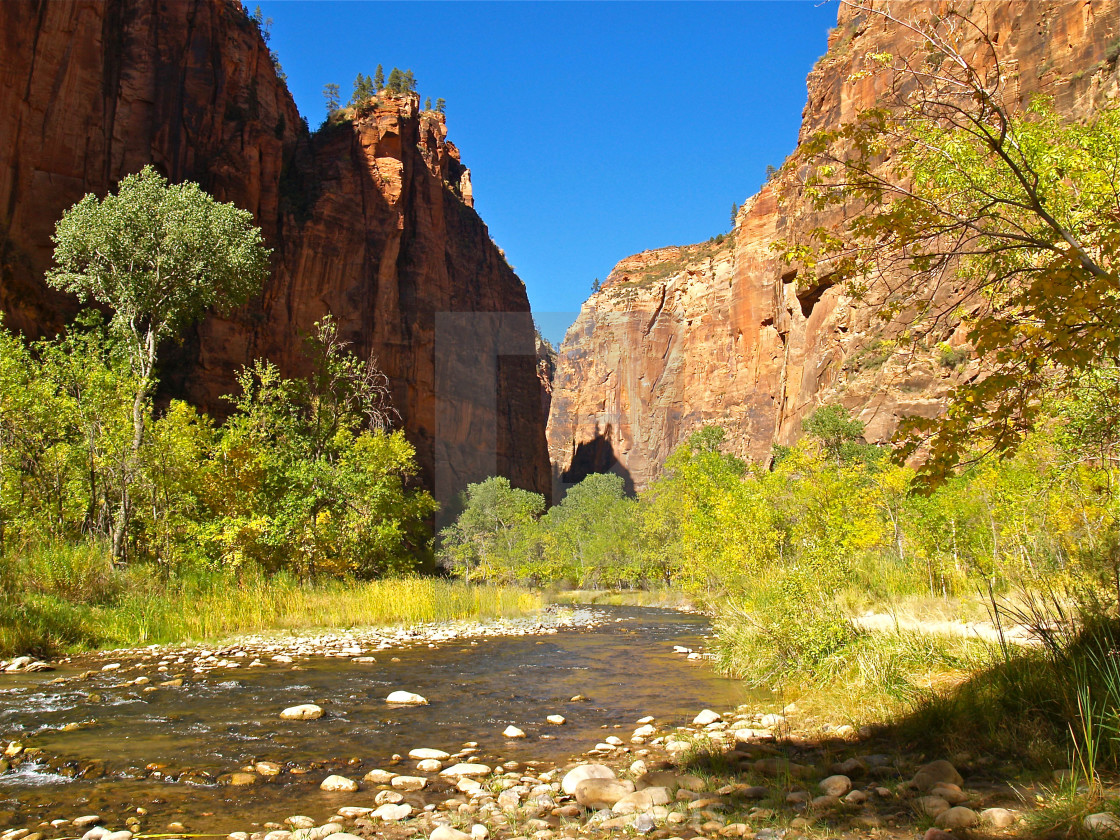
x: 592, y: 130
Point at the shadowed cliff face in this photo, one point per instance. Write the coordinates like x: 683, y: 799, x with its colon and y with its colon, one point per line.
x: 682, y: 337
x: 370, y: 222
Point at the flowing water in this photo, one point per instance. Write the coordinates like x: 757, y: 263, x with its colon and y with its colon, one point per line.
x: 625, y: 667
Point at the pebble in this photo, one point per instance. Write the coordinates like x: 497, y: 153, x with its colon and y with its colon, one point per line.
x: 1102, y: 824
x: 340, y: 784
x: 957, y: 817
x: 931, y: 806
x: 934, y: 773
x: 998, y: 817
x: 87, y: 820
x: 835, y: 785
x: 558, y: 720
x: 392, y: 813
x: 582, y: 772
x: 305, y: 711
x: 425, y: 753
x: 378, y: 777
x: 465, y: 769
x: 409, y: 783
x: 598, y: 794
x: 406, y: 698
x: 429, y: 765
x: 512, y: 732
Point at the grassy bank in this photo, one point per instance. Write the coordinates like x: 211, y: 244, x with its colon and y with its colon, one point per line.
x: 62, y: 598
x: 667, y: 598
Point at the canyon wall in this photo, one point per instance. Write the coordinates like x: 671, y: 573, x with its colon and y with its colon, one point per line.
x: 724, y: 332
x: 370, y: 221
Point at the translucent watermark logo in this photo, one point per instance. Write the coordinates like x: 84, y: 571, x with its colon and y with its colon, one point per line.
x: 492, y: 384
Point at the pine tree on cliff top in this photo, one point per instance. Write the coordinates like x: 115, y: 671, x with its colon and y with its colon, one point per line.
x: 363, y: 91
x: 330, y: 94
x: 379, y: 78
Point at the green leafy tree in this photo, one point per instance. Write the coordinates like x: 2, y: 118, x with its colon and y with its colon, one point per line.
x: 159, y: 255
x: 839, y: 433
x: 330, y: 94
x: 483, y: 542
x: 379, y: 78
x: 309, y: 477
x: 1018, y: 206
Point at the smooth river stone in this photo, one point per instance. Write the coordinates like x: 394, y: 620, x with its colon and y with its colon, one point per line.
x: 446, y: 832
x: 705, y: 717
x: 424, y: 752
x: 409, y: 783
x: 464, y: 769
x: 406, y: 698
x: 597, y: 794
x: 583, y: 772
x: 379, y: 777
x: 305, y: 711
x: 512, y: 732
x: 392, y: 813
x: 338, y: 784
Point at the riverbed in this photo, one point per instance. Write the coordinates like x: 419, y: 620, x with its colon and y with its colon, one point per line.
x: 164, y: 750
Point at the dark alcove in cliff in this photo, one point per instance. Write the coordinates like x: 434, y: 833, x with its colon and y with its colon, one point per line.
x: 596, y: 455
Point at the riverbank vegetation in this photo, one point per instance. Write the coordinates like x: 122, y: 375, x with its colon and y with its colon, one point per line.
x: 791, y: 557
x: 64, y: 597
x: 124, y: 522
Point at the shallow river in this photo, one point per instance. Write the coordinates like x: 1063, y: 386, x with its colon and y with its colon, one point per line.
x: 626, y: 668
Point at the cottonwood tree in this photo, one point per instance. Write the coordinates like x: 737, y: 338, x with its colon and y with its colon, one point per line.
x: 959, y: 206
x: 159, y: 256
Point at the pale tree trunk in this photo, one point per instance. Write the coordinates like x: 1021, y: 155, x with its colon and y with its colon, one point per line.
x: 143, y: 388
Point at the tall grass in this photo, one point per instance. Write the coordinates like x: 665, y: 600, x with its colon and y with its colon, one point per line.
x: 68, y: 597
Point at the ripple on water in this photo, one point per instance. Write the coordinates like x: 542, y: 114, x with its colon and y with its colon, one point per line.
x: 33, y: 775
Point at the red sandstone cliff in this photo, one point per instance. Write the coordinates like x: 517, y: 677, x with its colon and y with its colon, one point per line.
x: 724, y: 333
x: 370, y: 222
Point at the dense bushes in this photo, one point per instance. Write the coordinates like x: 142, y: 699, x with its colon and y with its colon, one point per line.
x: 303, y: 476
x: 786, y: 554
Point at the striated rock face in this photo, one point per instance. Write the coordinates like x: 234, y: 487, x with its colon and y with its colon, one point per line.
x: 371, y: 222
x: 724, y: 332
